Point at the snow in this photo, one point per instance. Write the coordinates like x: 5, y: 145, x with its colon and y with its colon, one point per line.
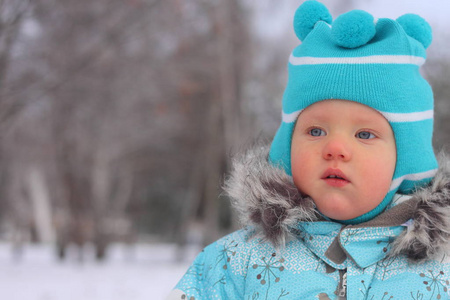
x: 143, y: 272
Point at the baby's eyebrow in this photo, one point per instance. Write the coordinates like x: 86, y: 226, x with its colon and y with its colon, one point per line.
x: 324, y: 116
x: 363, y: 120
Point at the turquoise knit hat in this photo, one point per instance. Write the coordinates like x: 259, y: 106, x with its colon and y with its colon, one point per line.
x: 373, y: 62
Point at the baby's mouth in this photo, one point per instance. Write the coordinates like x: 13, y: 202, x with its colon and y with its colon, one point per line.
x: 335, y: 177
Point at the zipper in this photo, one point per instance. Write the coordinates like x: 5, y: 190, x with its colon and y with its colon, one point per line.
x: 343, y: 291
x: 342, y: 287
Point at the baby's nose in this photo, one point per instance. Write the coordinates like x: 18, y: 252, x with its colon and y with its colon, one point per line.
x: 336, y: 149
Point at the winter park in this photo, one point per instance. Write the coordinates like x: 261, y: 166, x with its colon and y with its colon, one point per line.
x: 121, y: 121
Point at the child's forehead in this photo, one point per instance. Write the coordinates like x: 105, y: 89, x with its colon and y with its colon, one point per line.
x: 341, y: 108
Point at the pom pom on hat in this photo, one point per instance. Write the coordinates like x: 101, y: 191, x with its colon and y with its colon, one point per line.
x: 417, y: 28
x: 307, y: 15
x: 353, y: 29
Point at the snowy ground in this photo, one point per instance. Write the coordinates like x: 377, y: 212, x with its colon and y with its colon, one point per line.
x: 148, y: 272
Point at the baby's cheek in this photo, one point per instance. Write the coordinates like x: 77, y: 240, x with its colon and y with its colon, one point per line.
x: 379, y: 184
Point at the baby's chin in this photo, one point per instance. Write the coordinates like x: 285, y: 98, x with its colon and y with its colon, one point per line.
x: 342, y: 209
x: 338, y: 216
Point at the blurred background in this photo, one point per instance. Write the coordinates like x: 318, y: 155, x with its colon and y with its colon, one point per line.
x: 118, y: 119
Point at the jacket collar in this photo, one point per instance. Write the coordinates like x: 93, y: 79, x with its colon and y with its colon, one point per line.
x: 266, y: 198
x: 365, y: 243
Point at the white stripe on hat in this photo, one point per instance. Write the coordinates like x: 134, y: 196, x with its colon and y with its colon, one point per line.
x: 391, y: 117
x: 412, y: 177
x: 290, y: 118
x: 374, y: 59
x: 408, y: 117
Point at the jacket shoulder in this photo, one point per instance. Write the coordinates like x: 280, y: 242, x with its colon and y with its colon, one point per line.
x: 232, y: 251
x: 219, y: 270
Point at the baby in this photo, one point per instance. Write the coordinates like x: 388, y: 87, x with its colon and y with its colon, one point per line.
x: 349, y: 201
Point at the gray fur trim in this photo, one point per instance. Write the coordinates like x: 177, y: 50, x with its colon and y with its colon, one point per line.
x: 429, y: 235
x: 267, y: 199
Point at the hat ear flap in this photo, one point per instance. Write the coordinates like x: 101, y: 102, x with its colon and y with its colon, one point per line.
x: 417, y: 28
x: 307, y: 15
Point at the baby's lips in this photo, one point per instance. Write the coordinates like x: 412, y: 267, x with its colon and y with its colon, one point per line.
x: 335, y: 172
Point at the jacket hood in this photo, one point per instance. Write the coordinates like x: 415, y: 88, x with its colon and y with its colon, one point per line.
x: 267, y: 199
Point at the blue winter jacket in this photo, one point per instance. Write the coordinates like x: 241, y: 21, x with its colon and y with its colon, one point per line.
x: 288, y: 251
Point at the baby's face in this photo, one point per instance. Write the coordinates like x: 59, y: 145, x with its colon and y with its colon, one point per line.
x: 343, y: 156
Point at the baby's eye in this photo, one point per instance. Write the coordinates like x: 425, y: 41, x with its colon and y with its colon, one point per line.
x: 317, y: 132
x: 365, y: 135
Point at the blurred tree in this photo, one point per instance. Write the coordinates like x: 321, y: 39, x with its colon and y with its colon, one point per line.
x: 13, y: 14
x: 131, y: 96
